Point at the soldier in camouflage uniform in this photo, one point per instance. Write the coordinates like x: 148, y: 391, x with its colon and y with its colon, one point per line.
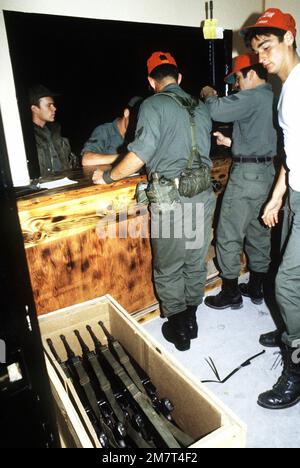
x: 54, y: 151
x: 250, y: 181
x: 163, y: 143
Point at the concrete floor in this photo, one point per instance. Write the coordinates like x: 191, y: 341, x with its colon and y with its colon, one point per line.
x: 230, y: 337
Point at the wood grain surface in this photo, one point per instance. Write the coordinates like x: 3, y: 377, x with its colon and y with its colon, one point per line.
x: 72, y: 258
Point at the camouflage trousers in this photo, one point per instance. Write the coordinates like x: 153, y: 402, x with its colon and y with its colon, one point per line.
x: 240, y: 225
x: 180, y: 238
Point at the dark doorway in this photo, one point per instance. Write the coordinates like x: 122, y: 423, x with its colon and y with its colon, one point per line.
x: 27, y: 409
x: 97, y: 65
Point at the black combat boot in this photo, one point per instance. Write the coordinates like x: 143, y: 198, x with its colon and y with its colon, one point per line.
x: 286, y: 392
x: 176, y: 331
x: 254, y: 288
x: 191, y: 321
x: 271, y: 339
x: 229, y: 296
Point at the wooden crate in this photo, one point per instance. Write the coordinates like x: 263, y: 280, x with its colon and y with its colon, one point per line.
x: 197, y: 411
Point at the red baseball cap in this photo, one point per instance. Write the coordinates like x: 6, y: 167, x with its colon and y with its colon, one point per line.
x: 159, y: 58
x: 274, y: 18
x: 241, y: 61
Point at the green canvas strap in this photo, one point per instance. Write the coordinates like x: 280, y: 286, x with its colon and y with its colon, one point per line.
x: 123, y: 357
x: 141, y: 400
x: 125, y: 361
x: 194, y: 151
x: 184, y: 439
x: 189, y: 104
x: 130, y: 378
x: 106, y: 387
x: 107, y: 390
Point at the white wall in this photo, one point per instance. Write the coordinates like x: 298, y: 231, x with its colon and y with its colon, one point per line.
x: 182, y: 12
x: 231, y: 14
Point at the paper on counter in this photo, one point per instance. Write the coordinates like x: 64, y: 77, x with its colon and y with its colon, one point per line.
x: 57, y: 183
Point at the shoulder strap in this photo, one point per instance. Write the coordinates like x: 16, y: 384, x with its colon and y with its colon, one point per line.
x: 189, y: 104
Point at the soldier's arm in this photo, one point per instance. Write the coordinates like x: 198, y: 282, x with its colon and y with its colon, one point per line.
x: 222, y: 139
x: 130, y: 164
x: 207, y: 92
x: 230, y: 108
x: 90, y: 158
x: 95, y: 150
x: 270, y: 216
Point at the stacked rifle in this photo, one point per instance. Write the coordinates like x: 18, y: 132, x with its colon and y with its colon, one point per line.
x: 119, y: 397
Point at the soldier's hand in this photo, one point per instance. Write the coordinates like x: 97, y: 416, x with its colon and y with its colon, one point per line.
x: 98, y: 177
x: 207, y: 92
x: 222, y: 140
x: 270, y: 216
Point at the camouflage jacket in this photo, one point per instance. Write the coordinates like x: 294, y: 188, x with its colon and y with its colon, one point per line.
x: 54, y: 151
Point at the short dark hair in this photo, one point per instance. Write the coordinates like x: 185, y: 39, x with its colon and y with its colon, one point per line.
x: 256, y: 32
x: 134, y: 109
x: 162, y: 71
x: 37, y: 92
x: 260, y: 70
x: 134, y: 101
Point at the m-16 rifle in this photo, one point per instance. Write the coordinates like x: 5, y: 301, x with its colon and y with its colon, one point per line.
x: 69, y: 373
x: 123, y: 415
x: 100, y: 382
x: 87, y: 395
x: 62, y: 364
x: 138, y: 375
x: 124, y: 398
x: 161, y: 434
x: 164, y: 406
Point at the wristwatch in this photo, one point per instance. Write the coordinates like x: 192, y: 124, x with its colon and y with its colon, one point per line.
x: 106, y: 177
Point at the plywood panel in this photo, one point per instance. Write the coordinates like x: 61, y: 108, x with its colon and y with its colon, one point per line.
x: 86, y: 242
x: 83, y: 266
x: 75, y: 252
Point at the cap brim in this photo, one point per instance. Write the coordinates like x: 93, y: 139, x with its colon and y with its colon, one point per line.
x: 244, y: 31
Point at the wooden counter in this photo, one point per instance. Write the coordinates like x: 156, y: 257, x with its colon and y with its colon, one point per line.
x: 70, y: 258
